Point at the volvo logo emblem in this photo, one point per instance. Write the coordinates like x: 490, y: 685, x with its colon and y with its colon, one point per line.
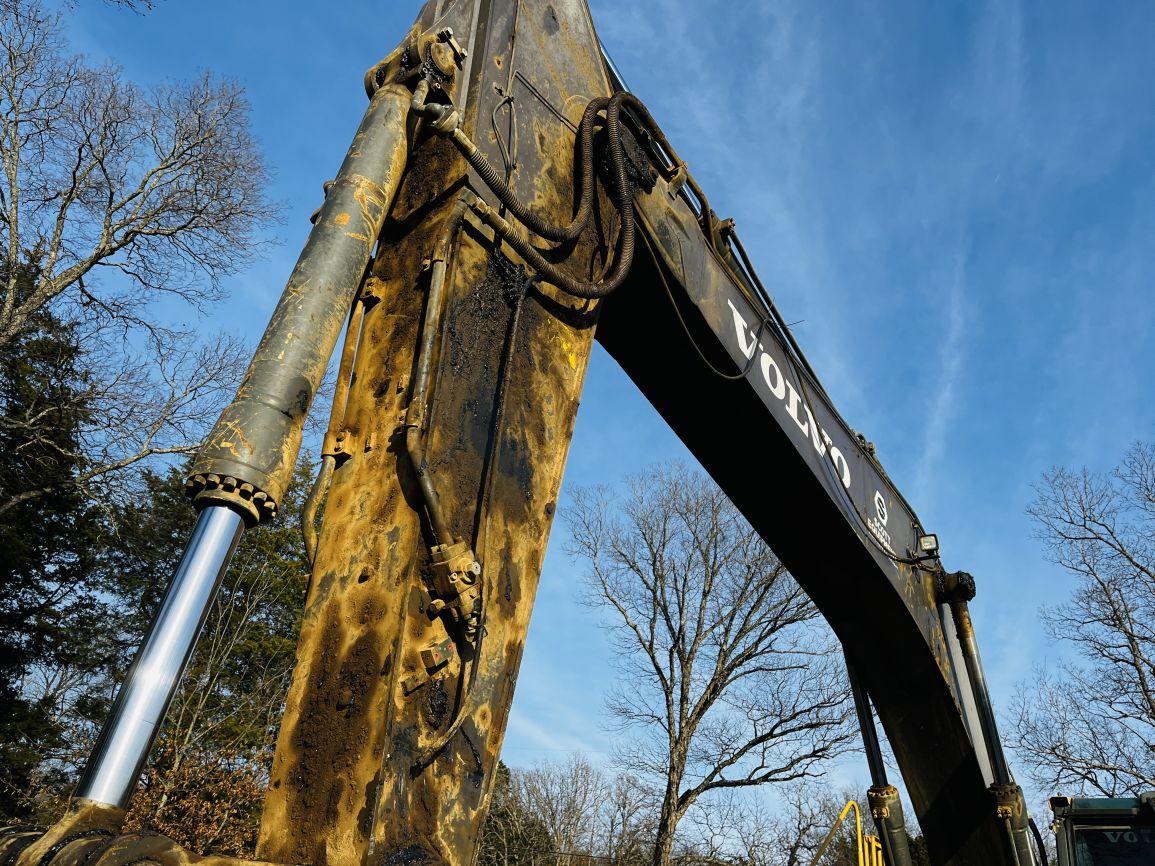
x: 880, y: 507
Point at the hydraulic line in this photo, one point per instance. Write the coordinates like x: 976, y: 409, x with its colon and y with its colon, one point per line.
x: 524, y: 214
x: 336, y: 419
x: 415, y: 422
x: 622, y: 197
x: 313, y: 503
x: 550, y: 273
x: 772, y: 308
x: 763, y: 322
x: 446, y: 120
x: 504, y: 231
x: 415, y: 415
x: 481, y: 533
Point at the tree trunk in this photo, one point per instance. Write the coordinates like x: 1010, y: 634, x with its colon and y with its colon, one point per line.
x: 667, y: 825
x: 664, y: 843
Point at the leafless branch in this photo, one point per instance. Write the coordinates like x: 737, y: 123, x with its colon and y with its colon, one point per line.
x: 729, y: 680
x: 1099, y: 528
x: 164, y: 186
x: 132, y: 407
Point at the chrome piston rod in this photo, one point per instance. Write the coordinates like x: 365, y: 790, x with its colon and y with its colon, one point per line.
x: 247, y: 460
x: 142, y: 701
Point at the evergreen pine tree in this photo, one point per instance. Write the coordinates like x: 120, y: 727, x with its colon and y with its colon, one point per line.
x: 49, y: 612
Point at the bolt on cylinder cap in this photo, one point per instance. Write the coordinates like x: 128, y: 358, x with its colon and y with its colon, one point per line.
x: 254, y: 505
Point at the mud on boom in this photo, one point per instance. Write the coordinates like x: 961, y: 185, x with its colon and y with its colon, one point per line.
x: 504, y: 203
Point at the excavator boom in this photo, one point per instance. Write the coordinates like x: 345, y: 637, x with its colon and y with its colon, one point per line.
x: 507, y: 201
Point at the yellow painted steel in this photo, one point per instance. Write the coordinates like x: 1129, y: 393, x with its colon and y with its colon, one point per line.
x: 868, y: 849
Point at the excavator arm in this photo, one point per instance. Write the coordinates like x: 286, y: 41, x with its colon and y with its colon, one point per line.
x: 507, y: 201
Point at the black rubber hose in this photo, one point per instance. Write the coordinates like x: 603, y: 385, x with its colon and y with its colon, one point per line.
x: 549, y: 272
x: 623, y: 200
x: 622, y: 192
x: 561, y: 234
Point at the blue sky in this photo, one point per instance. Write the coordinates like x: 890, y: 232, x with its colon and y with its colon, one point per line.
x: 958, y: 201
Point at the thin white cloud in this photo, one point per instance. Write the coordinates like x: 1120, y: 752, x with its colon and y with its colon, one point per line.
x: 936, y: 430
x: 529, y: 741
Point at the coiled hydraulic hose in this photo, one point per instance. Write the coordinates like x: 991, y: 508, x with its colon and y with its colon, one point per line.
x: 585, y: 174
x: 446, y: 120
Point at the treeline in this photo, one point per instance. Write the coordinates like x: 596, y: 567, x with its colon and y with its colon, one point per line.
x: 570, y: 813
x: 120, y: 202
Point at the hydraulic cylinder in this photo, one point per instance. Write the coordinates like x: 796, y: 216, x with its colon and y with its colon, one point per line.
x: 958, y: 588
x: 245, y: 464
x: 248, y: 458
x: 885, y: 803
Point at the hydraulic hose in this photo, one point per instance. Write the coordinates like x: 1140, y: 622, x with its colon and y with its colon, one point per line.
x: 330, y: 446
x: 446, y: 120
x: 416, y: 414
x: 551, y: 273
x: 524, y: 214
x: 313, y: 503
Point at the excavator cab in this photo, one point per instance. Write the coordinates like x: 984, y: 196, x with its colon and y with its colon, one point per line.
x: 1105, y: 831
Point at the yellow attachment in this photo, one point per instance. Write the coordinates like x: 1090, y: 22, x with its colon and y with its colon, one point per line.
x: 867, y: 848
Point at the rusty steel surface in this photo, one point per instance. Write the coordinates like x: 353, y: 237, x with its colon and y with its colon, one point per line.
x: 441, y: 488
x: 381, y: 681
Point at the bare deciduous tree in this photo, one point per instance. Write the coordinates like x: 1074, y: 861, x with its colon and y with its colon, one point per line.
x: 567, y: 798
x: 114, y: 197
x: 743, y: 831
x: 566, y: 813
x: 163, y: 186
x: 627, y: 821
x: 1090, y: 726
x: 727, y: 678
x: 130, y: 408
x: 791, y: 837
x: 511, y: 834
x: 796, y: 833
